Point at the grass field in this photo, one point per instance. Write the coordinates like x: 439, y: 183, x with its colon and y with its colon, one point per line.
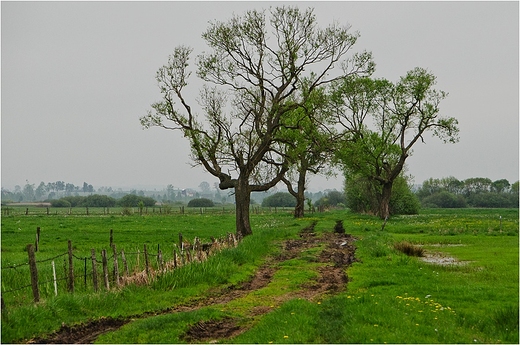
x: 390, y: 297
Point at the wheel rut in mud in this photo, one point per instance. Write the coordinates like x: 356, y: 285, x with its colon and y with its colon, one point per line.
x: 338, y: 253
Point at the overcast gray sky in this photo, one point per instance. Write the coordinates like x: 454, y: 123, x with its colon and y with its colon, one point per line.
x: 76, y: 77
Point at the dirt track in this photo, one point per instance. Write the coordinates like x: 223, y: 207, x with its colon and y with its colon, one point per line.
x: 338, y: 254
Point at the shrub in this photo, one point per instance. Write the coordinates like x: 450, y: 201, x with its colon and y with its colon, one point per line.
x: 75, y: 201
x: 200, y: 202
x: 363, y: 196
x: 403, y: 201
x: 280, y: 199
x: 132, y: 200
x: 493, y: 200
x: 444, y: 199
x: 97, y: 200
x: 332, y: 198
x: 409, y: 249
x: 60, y: 203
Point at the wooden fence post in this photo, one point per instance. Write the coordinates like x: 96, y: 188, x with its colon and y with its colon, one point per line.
x: 85, y: 277
x: 105, y: 268
x: 111, y: 237
x: 174, y: 256
x: 71, y: 269
x: 37, y: 238
x: 125, y: 264
x: 138, y: 264
x: 54, y: 277
x: 146, y: 261
x: 181, y: 244
x: 4, y: 309
x: 34, y: 273
x: 116, y: 265
x: 27, y: 211
x: 94, y: 270
x: 160, y: 260
x: 87, y: 210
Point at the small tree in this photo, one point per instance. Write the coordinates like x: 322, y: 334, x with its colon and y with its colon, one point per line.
x: 258, y: 64
x: 401, y: 115
x: 311, y: 148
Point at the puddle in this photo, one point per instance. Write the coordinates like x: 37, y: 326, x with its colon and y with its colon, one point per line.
x: 440, y: 259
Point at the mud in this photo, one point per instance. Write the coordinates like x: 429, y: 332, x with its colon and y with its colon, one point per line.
x: 338, y: 254
x: 212, y: 330
x: 82, y: 334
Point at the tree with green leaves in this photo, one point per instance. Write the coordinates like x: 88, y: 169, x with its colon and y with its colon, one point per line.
x: 383, y: 121
x: 311, y: 148
x: 253, y: 82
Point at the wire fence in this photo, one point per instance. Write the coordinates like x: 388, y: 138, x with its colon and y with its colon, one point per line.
x: 69, y: 272
x: 152, y: 210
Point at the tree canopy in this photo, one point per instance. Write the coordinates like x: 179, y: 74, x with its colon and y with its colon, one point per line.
x: 383, y: 121
x: 260, y: 68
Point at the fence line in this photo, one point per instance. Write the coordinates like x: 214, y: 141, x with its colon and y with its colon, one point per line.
x: 151, y: 210
x: 155, y: 264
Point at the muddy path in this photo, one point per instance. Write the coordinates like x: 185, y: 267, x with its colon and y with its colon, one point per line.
x: 338, y: 253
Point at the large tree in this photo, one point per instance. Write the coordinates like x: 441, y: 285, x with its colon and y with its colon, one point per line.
x: 258, y: 64
x: 385, y: 120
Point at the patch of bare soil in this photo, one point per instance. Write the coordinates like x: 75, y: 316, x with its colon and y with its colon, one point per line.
x: 339, y: 253
x: 212, y: 330
x: 83, y: 333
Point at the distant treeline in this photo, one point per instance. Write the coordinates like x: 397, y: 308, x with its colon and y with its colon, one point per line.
x: 450, y: 192
x: 96, y: 200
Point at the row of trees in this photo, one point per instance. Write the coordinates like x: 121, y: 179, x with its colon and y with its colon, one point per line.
x: 450, y: 192
x: 446, y: 192
x: 29, y: 192
x: 283, y: 98
x: 97, y: 200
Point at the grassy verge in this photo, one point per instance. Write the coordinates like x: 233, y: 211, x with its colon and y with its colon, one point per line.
x: 229, y: 267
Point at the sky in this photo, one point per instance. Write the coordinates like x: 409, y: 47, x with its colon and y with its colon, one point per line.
x: 77, y: 76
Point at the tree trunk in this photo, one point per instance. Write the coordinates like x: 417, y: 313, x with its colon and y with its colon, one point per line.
x: 384, y: 204
x: 299, y: 210
x: 242, y: 201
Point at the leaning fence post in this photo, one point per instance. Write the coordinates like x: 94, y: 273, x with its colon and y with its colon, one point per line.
x: 111, y: 237
x: 146, y: 261
x: 116, y: 266
x: 105, y: 268
x: 54, y: 276
x: 34, y: 272
x: 71, y: 269
x: 94, y: 269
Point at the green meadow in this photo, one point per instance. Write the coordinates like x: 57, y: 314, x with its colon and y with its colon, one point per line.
x: 390, y: 297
